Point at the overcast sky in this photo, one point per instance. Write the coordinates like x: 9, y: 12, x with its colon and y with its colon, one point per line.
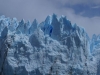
x: 85, y: 13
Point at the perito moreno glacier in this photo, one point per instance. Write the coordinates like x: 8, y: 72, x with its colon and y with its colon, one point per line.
x: 53, y: 47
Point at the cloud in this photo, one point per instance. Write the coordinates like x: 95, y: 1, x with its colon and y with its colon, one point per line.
x: 27, y: 9
x: 75, y: 2
x: 95, y: 7
x: 39, y: 9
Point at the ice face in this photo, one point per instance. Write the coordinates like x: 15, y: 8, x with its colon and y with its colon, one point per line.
x: 33, y: 27
x: 53, y: 47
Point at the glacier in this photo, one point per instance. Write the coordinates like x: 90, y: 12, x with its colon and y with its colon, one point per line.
x: 53, y: 47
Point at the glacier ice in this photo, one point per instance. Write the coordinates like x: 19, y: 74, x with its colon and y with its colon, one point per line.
x: 53, y: 47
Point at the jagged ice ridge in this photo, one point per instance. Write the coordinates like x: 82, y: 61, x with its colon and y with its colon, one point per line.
x: 53, y: 47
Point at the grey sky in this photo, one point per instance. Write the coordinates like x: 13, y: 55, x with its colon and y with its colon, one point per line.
x: 84, y: 13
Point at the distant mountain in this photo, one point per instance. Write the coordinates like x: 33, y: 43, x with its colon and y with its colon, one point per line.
x: 53, y: 47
